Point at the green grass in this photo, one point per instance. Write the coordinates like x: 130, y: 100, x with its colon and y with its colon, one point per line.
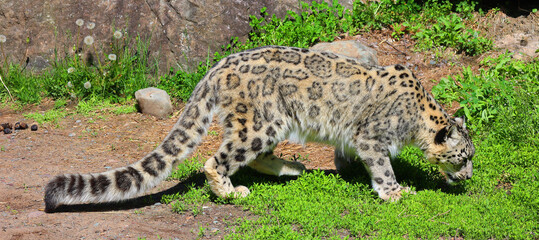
x: 86, y: 108
x: 51, y: 116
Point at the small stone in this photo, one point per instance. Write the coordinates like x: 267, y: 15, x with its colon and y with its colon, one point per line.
x: 154, y: 101
x: 524, y: 42
x: 432, y: 62
x: 71, y: 134
x: 78, y: 121
x: 34, y: 127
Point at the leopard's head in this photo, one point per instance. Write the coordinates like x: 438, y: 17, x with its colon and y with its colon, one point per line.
x: 453, y: 151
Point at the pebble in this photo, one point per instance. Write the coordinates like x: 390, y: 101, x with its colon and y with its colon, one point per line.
x: 71, y: 134
x: 432, y: 62
x: 78, y: 121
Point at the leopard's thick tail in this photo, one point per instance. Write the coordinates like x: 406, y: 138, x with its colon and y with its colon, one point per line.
x: 135, y: 179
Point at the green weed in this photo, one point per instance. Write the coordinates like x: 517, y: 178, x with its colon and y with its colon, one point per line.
x: 50, y: 116
x: 504, y: 90
x: 187, y: 169
x: 124, y: 109
x: 450, y: 31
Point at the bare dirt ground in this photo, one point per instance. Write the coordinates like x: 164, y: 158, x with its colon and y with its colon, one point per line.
x: 28, y: 160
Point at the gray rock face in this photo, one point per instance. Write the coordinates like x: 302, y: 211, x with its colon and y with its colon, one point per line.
x: 351, y: 48
x: 154, y: 101
x: 182, y: 32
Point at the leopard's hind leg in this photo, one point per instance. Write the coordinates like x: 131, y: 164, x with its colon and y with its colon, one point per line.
x: 239, y: 148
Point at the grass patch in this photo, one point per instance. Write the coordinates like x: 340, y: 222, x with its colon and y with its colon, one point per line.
x: 51, y: 116
x: 91, y: 107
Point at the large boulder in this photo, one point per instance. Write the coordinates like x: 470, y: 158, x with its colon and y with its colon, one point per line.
x: 181, y: 31
x: 350, y: 48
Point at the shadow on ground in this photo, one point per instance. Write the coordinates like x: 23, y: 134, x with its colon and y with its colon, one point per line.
x: 355, y: 172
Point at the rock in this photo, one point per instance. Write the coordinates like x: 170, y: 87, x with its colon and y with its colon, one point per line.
x: 181, y: 31
x: 351, y: 48
x: 154, y: 101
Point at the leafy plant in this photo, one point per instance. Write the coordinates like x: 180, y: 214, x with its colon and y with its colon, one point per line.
x: 505, y: 87
x: 450, y: 31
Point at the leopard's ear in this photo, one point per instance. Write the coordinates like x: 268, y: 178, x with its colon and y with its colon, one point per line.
x: 441, y: 135
x: 461, y: 121
x: 447, y: 134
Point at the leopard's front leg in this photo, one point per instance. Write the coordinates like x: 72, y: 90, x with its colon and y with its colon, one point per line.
x: 376, y: 160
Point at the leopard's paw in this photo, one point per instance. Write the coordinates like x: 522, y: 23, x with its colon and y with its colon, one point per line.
x: 240, y: 192
x: 395, y: 195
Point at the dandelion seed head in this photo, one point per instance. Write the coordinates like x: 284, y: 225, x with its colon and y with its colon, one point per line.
x: 2, y: 38
x: 70, y: 70
x: 117, y: 34
x: 88, y: 40
x: 69, y: 84
x: 90, y: 25
x: 112, y: 57
x: 79, y: 22
x: 73, y: 95
x: 87, y: 85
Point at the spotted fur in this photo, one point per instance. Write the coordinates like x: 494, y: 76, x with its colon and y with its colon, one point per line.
x: 265, y: 95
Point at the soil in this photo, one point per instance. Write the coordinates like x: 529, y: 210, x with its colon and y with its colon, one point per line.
x: 77, y: 143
